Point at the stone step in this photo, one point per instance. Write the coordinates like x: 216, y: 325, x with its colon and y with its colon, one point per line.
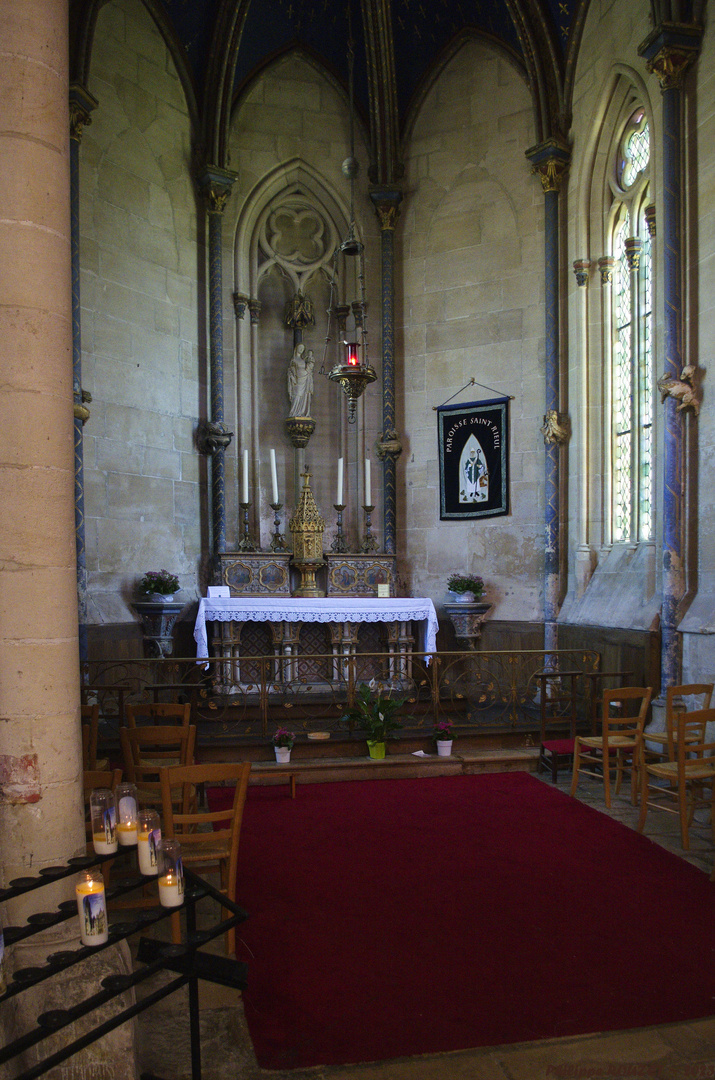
x: 327, y: 769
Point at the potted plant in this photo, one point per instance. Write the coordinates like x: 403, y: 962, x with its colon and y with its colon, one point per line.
x: 374, y: 713
x: 283, y: 744
x: 159, y: 585
x: 442, y: 737
x: 465, y: 588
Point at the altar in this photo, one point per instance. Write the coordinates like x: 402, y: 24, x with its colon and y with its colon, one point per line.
x: 286, y: 629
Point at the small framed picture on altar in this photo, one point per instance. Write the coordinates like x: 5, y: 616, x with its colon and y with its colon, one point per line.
x: 383, y: 590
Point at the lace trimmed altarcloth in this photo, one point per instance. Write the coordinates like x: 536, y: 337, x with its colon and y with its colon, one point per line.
x: 323, y: 610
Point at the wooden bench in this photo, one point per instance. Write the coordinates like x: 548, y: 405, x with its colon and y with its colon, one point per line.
x: 268, y: 768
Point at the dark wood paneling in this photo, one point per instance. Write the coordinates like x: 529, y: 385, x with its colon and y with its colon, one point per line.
x: 621, y: 650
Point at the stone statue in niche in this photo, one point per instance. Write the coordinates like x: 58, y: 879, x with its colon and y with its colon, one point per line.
x: 300, y: 381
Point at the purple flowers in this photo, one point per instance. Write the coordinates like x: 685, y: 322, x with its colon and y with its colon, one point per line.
x: 443, y: 731
x: 284, y: 737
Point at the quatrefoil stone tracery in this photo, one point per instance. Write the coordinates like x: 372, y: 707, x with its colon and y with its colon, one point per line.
x: 296, y: 236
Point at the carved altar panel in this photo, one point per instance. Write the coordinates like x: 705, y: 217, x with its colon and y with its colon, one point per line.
x: 359, y: 575
x: 256, y: 574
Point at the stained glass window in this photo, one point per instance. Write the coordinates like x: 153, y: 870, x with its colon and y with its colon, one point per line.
x: 632, y: 361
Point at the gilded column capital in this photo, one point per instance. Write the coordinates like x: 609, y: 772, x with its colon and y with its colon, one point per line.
x: 387, y: 206
x: 254, y: 310
x: 240, y: 303
x: 299, y: 312
x: 556, y: 429
x: 215, y: 185
x: 669, y: 51
x: 581, y: 269
x: 605, y: 266
x: 549, y: 161
x: 633, y: 247
x: 82, y: 104
x: 650, y: 219
x: 389, y: 445
x: 81, y: 412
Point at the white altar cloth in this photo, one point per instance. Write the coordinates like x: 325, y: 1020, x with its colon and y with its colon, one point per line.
x: 324, y: 609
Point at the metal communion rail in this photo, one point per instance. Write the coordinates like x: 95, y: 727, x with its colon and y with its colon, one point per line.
x: 479, y: 691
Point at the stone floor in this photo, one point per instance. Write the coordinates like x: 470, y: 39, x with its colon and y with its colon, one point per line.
x: 669, y: 1052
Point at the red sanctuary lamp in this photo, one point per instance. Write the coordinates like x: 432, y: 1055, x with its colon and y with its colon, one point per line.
x: 352, y: 376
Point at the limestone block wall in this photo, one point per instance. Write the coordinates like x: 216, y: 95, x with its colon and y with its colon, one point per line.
x: 472, y: 305
x: 290, y: 132
x: 141, y: 357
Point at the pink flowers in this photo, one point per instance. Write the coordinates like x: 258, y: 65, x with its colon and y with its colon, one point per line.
x: 443, y: 731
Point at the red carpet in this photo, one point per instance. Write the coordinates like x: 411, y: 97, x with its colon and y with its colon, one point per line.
x: 399, y: 917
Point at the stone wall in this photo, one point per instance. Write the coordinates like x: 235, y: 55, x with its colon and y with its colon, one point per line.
x: 472, y: 306
x: 140, y: 357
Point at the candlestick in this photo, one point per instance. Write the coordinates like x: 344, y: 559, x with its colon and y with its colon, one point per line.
x: 245, y: 544
x: 339, y: 499
x: 274, y: 476
x: 368, y: 491
x: 338, y: 545
x: 103, y: 815
x: 278, y: 543
x: 245, y: 477
x: 126, y: 798
x: 171, y: 873
x: 369, y: 542
x: 149, y: 835
x: 92, y: 909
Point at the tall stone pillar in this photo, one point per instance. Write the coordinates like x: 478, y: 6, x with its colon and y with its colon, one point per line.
x: 41, y: 820
x: 670, y: 50
x: 550, y: 161
x: 215, y: 185
x: 387, y: 205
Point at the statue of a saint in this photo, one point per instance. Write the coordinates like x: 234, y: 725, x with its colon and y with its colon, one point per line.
x: 300, y: 381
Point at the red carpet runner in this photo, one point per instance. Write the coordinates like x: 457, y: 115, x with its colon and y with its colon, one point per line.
x: 399, y: 917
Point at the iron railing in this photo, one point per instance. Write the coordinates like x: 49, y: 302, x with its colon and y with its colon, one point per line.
x: 478, y: 691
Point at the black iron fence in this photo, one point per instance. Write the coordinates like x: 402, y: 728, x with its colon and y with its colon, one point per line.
x: 478, y: 691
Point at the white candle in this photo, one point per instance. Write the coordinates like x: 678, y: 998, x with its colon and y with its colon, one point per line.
x: 274, y: 478
x: 171, y: 890
x: 146, y: 850
x: 245, y: 477
x: 92, y: 911
x: 340, y: 481
x: 127, y: 833
x: 368, y: 490
x: 105, y: 842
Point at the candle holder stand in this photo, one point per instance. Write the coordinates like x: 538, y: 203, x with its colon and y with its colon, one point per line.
x: 278, y: 543
x: 339, y: 545
x: 369, y: 542
x: 245, y: 543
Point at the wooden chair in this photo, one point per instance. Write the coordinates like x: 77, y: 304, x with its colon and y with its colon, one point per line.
x: 148, y: 749
x: 694, y: 767
x: 619, y: 745
x: 595, y: 682
x: 206, y: 842
x: 558, y: 720
x: 664, y: 742
x: 154, y: 713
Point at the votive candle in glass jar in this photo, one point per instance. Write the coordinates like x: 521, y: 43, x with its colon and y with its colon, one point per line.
x: 103, y: 811
x: 148, y: 837
x: 126, y: 796
x: 171, y: 873
x: 92, y: 908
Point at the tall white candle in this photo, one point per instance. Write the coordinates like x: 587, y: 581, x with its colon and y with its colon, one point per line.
x: 274, y: 478
x: 244, y: 495
x: 368, y: 490
x: 340, y: 481
x: 92, y: 911
x: 149, y: 837
x: 171, y: 889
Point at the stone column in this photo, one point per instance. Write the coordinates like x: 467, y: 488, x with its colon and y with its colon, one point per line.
x: 215, y: 185
x: 387, y: 205
x: 549, y: 162
x: 669, y: 51
x: 41, y: 820
x: 81, y: 105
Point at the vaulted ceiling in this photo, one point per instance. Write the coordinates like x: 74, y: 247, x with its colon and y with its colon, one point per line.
x: 220, y: 46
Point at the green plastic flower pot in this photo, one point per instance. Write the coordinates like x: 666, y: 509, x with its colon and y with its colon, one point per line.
x: 376, y: 749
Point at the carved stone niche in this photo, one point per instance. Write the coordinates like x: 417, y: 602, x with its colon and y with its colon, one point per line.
x: 256, y: 573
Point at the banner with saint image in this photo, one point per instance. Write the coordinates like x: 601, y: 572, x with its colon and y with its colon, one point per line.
x: 474, y: 459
